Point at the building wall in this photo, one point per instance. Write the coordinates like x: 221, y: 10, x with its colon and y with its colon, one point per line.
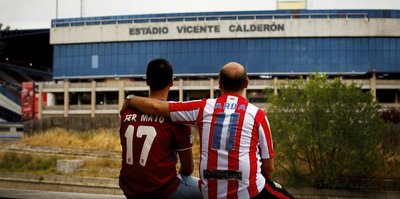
x: 230, y: 27
x: 99, y: 60
x: 328, y: 41
x: 260, y: 56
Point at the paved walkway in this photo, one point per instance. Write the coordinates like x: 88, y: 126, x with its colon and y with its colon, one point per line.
x: 6, y: 193
x: 30, y: 194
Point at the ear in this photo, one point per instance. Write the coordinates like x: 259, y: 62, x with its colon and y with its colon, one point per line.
x: 171, y: 83
x: 219, y: 84
x: 246, y: 83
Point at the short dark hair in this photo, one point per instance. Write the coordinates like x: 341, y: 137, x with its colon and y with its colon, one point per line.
x: 232, y: 82
x: 158, y: 74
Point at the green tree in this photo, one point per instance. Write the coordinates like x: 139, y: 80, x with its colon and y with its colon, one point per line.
x: 325, y: 130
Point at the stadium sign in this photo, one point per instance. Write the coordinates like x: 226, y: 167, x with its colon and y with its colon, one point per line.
x: 224, y: 29
x: 206, y: 29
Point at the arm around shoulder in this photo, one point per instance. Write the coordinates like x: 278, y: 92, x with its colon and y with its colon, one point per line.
x: 149, y: 105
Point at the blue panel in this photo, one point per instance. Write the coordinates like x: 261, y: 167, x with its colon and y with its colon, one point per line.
x: 319, y: 44
x: 397, y: 44
x: 92, y: 49
x: 135, y: 47
x: 148, y: 47
x: 56, y: 51
x: 278, y: 55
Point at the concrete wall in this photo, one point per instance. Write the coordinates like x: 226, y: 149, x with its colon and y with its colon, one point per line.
x: 264, y: 28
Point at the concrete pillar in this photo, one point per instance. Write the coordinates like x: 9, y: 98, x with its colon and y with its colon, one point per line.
x: 66, y: 98
x: 180, y: 89
x: 211, y: 88
x: 276, y: 85
x: 373, y: 86
x: 40, y: 100
x: 121, y: 94
x: 93, y: 100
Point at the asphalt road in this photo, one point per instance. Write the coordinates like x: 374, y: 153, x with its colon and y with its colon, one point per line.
x: 34, y: 194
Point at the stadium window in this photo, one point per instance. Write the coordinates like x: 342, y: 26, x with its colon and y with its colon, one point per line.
x: 58, y: 99
x: 386, y: 95
x: 95, y: 61
x: 106, y: 98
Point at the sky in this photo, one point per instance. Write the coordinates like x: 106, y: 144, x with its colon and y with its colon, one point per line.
x: 36, y: 14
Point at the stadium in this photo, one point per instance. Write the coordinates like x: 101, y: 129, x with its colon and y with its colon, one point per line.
x: 97, y: 61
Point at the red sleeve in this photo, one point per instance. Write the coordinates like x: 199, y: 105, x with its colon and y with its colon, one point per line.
x: 185, y: 112
x: 265, y: 137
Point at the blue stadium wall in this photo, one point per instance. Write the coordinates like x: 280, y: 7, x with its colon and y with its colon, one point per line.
x: 279, y: 56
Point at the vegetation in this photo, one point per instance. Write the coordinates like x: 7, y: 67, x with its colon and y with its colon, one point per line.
x: 101, y: 139
x: 19, y: 162
x: 59, y: 138
x: 326, y: 133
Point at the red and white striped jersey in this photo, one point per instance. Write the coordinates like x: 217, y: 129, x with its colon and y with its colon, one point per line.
x: 234, y: 136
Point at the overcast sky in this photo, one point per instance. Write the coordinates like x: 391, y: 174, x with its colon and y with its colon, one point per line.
x: 34, y: 14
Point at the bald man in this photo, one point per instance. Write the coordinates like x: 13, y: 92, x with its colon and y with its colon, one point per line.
x: 237, y: 157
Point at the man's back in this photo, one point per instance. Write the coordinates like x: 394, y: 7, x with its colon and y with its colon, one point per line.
x: 234, y: 136
x: 149, y: 147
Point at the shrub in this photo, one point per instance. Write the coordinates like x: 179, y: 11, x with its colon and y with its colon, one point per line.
x: 325, y: 131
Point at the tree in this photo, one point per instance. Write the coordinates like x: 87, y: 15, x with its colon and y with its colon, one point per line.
x: 326, y: 131
x: 2, y: 44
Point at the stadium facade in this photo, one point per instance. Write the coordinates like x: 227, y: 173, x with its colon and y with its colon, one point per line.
x: 97, y: 61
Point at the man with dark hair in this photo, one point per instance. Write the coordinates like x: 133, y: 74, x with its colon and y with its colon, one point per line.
x: 237, y: 158
x: 158, y: 74
x: 150, y: 143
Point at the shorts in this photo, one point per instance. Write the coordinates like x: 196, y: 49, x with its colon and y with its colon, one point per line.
x: 273, y: 190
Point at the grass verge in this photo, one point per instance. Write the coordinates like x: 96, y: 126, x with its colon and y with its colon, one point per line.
x: 101, y: 139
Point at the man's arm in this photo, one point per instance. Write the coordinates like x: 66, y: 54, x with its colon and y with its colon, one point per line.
x: 147, y: 105
x: 267, y: 168
x: 186, y: 159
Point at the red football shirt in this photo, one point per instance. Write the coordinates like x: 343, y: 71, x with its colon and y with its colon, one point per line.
x: 149, y: 147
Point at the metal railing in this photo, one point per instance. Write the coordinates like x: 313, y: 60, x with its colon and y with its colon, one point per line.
x: 133, y: 20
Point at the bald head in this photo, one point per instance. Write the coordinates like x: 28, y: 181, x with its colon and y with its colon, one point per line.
x: 233, y: 77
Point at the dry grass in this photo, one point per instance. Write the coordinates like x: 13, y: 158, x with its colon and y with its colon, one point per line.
x: 102, y: 139
x: 101, y: 167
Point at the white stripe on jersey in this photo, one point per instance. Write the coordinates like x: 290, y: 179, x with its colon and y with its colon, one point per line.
x: 184, y: 115
x: 207, y: 118
x: 260, y: 178
x: 224, y: 136
x: 263, y: 142
x: 245, y: 141
x: 231, y: 101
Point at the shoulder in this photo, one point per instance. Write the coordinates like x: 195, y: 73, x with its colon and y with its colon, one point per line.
x: 254, y: 110
x: 129, y: 114
x: 129, y: 110
x: 187, y: 105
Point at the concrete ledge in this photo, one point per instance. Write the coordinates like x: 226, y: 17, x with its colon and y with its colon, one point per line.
x: 60, y: 183
x: 69, y: 166
x: 110, y: 186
